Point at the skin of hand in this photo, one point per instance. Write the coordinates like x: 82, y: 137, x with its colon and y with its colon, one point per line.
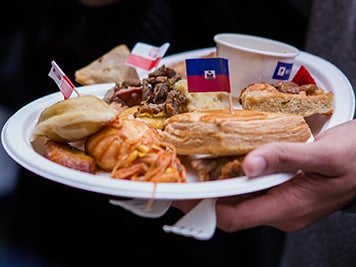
x: 325, y: 182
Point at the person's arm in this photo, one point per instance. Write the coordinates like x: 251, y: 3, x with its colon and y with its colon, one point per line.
x: 325, y: 184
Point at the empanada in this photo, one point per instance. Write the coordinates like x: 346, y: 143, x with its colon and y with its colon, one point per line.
x: 74, y: 119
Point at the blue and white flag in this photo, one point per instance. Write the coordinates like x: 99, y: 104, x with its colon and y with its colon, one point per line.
x: 282, y: 71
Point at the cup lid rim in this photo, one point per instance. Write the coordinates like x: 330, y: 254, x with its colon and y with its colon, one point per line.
x: 293, y: 51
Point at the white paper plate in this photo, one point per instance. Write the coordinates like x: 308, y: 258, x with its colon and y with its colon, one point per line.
x: 17, y: 131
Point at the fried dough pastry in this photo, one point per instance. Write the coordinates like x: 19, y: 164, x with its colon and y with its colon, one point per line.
x: 222, y: 133
x: 305, y: 100
x: 104, y: 146
x: 110, y: 67
x: 74, y: 119
x: 69, y: 156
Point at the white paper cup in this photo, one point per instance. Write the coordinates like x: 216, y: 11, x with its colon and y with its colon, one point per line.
x: 254, y: 59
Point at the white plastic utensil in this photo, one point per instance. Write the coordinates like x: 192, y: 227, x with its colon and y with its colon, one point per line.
x: 199, y: 223
x: 149, y: 208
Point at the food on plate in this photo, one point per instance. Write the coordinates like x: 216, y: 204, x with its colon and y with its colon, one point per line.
x: 221, y: 133
x: 289, y: 97
x: 202, y: 101
x: 217, y: 168
x: 104, y: 146
x: 69, y: 156
x: 110, y: 67
x: 154, y: 97
x: 159, y: 96
x: 132, y: 150
x: 150, y: 129
x: 180, y: 66
x: 74, y: 118
x: 149, y: 160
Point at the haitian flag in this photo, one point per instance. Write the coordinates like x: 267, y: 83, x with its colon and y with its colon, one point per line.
x: 207, y: 75
x: 146, y: 56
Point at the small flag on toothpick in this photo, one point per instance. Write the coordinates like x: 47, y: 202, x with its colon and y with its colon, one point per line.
x: 146, y: 56
x: 62, y: 81
x: 208, y: 75
x: 303, y: 77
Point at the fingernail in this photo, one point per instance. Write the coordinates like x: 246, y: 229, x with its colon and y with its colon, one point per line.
x: 257, y: 166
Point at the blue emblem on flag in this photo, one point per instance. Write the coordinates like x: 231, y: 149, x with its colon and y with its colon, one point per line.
x: 208, y: 75
x: 282, y: 71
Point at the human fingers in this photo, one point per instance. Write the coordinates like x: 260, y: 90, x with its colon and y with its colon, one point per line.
x: 331, y: 154
x: 290, y: 206
x: 282, y: 157
x: 321, y: 157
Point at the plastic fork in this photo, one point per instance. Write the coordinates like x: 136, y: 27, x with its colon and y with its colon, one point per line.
x: 199, y: 223
x: 149, y: 208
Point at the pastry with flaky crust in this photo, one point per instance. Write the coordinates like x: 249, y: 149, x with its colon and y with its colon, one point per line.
x: 287, y: 97
x: 110, y: 67
x: 222, y: 133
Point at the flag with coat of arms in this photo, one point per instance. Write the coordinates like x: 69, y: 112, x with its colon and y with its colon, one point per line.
x: 207, y: 75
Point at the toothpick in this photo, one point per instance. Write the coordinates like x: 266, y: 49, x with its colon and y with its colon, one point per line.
x: 230, y: 103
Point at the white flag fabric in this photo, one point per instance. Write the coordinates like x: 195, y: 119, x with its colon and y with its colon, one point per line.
x: 146, y: 56
x: 62, y: 81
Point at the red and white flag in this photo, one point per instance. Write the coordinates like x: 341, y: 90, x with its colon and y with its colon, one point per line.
x: 146, y: 56
x: 62, y: 81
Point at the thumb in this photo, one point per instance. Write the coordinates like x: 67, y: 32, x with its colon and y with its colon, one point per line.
x: 285, y: 157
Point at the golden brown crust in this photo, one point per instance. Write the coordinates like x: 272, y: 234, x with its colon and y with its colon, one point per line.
x: 108, y: 68
x: 74, y: 119
x: 221, y: 133
x: 69, y: 156
x: 265, y: 97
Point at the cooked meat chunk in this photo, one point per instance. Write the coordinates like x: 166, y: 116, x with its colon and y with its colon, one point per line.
x: 218, y: 168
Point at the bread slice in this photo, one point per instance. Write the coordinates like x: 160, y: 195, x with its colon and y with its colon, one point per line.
x: 221, y: 133
x: 108, y: 68
x: 301, y: 101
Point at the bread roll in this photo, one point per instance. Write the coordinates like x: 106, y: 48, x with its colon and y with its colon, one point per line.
x: 221, y: 133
